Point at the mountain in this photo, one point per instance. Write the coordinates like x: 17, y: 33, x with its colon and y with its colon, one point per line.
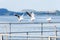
x: 6, y: 12
x: 3, y: 11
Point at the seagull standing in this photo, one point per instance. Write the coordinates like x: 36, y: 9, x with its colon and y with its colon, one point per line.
x: 49, y: 19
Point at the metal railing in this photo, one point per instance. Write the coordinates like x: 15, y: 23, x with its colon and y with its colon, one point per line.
x: 14, y: 35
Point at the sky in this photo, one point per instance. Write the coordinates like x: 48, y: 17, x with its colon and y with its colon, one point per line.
x: 39, y: 5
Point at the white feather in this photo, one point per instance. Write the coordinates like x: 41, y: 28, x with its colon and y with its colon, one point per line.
x: 49, y: 19
x: 32, y: 16
x: 20, y: 18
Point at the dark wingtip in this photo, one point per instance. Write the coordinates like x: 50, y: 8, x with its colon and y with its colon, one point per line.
x: 28, y: 14
x: 15, y: 15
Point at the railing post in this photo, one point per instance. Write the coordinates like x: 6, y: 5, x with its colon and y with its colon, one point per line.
x: 10, y: 30
x: 41, y: 31
x: 10, y: 27
x: 55, y: 30
x: 2, y: 38
x: 27, y: 35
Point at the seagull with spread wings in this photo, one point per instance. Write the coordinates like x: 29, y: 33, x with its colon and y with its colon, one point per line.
x: 32, y: 16
x: 19, y: 17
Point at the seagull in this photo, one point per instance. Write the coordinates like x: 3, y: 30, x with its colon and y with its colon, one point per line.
x: 32, y: 16
x: 49, y: 19
x: 19, y: 17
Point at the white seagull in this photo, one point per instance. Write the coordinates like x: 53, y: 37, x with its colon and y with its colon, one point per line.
x: 19, y: 17
x: 49, y: 19
x: 32, y: 16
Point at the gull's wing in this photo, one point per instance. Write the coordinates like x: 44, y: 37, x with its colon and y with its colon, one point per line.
x: 28, y: 14
x: 17, y: 15
x: 32, y: 16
